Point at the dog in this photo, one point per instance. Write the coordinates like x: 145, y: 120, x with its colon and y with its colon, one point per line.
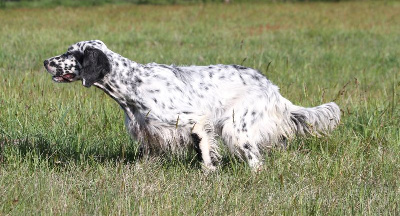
x: 172, y: 108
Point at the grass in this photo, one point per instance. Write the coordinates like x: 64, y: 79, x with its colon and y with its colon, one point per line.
x: 64, y: 149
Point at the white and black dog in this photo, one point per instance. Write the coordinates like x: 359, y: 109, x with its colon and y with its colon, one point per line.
x: 174, y: 108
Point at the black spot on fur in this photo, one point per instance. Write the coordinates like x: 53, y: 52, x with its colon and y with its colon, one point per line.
x: 239, y: 67
x: 154, y: 91
x: 138, y: 80
x: 179, y: 89
x: 255, y: 77
x: 59, y: 72
x: 244, y: 129
x: 300, y: 121
x: 245, y: 113
x: 244, y: 82
x: 196, y: 145
x: 142, y: 106
x: 165, y: 66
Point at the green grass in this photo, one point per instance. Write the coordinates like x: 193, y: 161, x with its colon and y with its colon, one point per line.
x: 64, y: 148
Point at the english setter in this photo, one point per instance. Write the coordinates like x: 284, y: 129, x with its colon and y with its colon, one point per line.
x: 172, y: 108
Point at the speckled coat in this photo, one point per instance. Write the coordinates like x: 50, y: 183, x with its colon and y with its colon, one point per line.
x: 173, y: 108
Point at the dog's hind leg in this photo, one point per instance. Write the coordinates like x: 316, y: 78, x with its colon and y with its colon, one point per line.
x: 204, y: 139
x: 252, y: 155
x: 243, y: 142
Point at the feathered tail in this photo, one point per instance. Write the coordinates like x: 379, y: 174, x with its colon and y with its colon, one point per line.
x: 315, y: 120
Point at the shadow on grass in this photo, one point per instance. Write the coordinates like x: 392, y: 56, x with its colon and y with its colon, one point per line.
x: 61, y: 153
x: 66, y: 150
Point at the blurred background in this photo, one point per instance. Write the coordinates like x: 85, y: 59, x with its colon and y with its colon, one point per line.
x: 47, y: 3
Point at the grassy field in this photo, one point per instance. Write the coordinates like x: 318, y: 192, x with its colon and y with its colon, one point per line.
x: 64, y: 149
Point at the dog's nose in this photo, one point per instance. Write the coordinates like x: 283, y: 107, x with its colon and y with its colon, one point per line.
x: 46, y: 62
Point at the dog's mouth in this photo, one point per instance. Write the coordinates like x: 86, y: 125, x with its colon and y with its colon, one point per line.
x: 64, y: 78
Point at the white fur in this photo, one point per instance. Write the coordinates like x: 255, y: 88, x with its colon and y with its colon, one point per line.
x: 166, y: 104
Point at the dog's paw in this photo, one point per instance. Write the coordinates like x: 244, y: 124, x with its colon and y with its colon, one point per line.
x: 208, y: 168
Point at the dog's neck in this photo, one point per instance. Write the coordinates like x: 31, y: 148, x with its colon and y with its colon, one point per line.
x: 121, y: 82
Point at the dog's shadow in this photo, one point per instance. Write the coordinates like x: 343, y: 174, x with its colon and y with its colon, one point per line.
x: 60, y: 153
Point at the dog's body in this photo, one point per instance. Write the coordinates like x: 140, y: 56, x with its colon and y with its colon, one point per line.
x: 171, y: 108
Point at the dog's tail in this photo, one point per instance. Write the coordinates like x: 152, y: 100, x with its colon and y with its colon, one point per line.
x: 315, y: 120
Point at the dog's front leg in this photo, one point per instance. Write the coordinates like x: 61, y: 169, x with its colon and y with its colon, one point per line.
x: 205, y: 144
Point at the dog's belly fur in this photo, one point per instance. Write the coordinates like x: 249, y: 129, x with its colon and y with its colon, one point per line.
x: 246, y: 104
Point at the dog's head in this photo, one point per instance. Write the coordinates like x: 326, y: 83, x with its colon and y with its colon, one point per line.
x: 84, y: 61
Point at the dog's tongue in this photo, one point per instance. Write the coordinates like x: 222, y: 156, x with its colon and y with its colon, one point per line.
x: 68, y: 76
x: 64, y: 78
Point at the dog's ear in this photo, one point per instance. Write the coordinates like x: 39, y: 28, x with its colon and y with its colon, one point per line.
x: 95, y: 66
